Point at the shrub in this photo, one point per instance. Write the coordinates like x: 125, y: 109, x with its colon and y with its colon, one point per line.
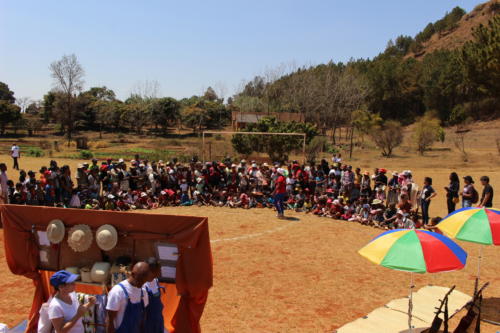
x: 100, y: 144
x: 427, y: 131
x: 35, y: 152
x: 85, y: 154
x: 387, y: 136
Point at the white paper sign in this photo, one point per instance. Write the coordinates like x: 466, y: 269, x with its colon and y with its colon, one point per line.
x: 42, y: 238
x: 167, y: 252
x: 168, y: 272
x: 44, y: 257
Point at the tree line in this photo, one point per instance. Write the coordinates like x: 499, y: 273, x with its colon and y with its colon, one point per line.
x: 70, y: 108
x: 454, y: 85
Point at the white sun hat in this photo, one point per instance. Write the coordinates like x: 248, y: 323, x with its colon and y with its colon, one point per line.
x: 56, y: 231
x: 106, y: 237
x: 80, y: 238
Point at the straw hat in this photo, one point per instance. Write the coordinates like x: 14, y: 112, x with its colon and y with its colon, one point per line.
x: 376, y: 202
x: 80, y: 237
x: 100, y: 272
x: 106, y: 237
x: 56, y: 231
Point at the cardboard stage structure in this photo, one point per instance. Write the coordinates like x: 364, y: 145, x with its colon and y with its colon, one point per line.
x: 140, y: 236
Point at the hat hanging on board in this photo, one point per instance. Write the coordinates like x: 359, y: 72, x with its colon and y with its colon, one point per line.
x: 56, y: 231
x: 80, y: 238
x: 106, y: 237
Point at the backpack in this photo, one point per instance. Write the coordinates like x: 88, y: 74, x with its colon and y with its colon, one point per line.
x: 475, y: 195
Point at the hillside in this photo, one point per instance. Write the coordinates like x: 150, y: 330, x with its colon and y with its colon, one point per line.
x: 462, y: 32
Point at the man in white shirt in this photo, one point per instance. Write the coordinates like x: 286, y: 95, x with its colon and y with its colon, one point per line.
x: 15, y: 152
x: 127, y: 301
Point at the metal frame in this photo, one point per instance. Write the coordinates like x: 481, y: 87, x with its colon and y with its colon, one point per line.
x: 304, y: 136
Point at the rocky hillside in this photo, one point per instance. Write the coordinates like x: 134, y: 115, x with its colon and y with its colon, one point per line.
x: 462, y: 32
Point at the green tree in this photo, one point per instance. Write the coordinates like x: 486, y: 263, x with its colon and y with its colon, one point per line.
x: 210, y: 95
x: 480, y: 61
x: 277, y: 147
x: 110, y: 114
x: 165, y: 112
x: 363, y: 121
x: 48, y: 106
x: 195, y: 117
x: 136, y: 114
x: 427, y: 130
x: 387, y: 136
x: 9, y: 113
x: 6, y: 94
x: 440, y: 81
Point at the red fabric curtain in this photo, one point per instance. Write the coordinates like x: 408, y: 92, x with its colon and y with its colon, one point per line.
x: 190, y: 234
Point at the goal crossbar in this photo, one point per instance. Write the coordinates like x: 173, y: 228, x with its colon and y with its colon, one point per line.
x: 304, y: 137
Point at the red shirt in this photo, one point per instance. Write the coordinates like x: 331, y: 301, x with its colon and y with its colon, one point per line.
x: 280, y: 185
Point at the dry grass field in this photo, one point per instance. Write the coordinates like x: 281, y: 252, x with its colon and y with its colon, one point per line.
x: 304, y: 275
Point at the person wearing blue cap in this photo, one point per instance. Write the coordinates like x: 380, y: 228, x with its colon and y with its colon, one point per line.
x: 65, y: 312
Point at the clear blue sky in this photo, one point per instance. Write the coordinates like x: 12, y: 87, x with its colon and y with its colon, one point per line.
x: 189, y: 45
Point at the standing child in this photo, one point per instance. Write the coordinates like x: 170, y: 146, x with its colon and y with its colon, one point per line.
x: 425, y: 198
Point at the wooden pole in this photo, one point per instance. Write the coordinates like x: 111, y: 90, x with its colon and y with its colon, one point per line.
x: 410, y: 303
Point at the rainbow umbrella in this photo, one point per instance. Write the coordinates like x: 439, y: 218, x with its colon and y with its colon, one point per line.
x: 473, y: 224
x: 476, y: 225
x: 414, y: 251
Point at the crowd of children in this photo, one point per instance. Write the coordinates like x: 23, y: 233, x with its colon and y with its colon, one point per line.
x: 332, y: 190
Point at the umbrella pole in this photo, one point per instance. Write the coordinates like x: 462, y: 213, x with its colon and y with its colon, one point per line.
x: 478, y: 274
x: 410, y: 303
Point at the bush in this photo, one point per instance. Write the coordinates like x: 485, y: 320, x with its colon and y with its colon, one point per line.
x: 427, y: 131
x: 276, y: 146
x: 387, y: 136
x: 35, y: 152
x: 100, y: 144
x: 85, y: 154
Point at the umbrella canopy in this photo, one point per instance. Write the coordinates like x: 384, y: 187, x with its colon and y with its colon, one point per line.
x: 473, y: 224
x: 416, y: 251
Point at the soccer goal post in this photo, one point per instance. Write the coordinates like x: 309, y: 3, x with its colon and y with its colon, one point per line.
x: 303, y: 135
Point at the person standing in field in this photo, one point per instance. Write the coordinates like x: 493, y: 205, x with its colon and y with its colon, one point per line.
x: 487, y: 196
x: 4, y: 187
x: 468, y: 192
x: 425, y: 199
x: 15, y: 152
x: 279, y: 192
x: 452, y: 192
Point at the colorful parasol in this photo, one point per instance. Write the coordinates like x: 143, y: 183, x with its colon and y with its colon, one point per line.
x: 416, y: 251
x: 473, y: 224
